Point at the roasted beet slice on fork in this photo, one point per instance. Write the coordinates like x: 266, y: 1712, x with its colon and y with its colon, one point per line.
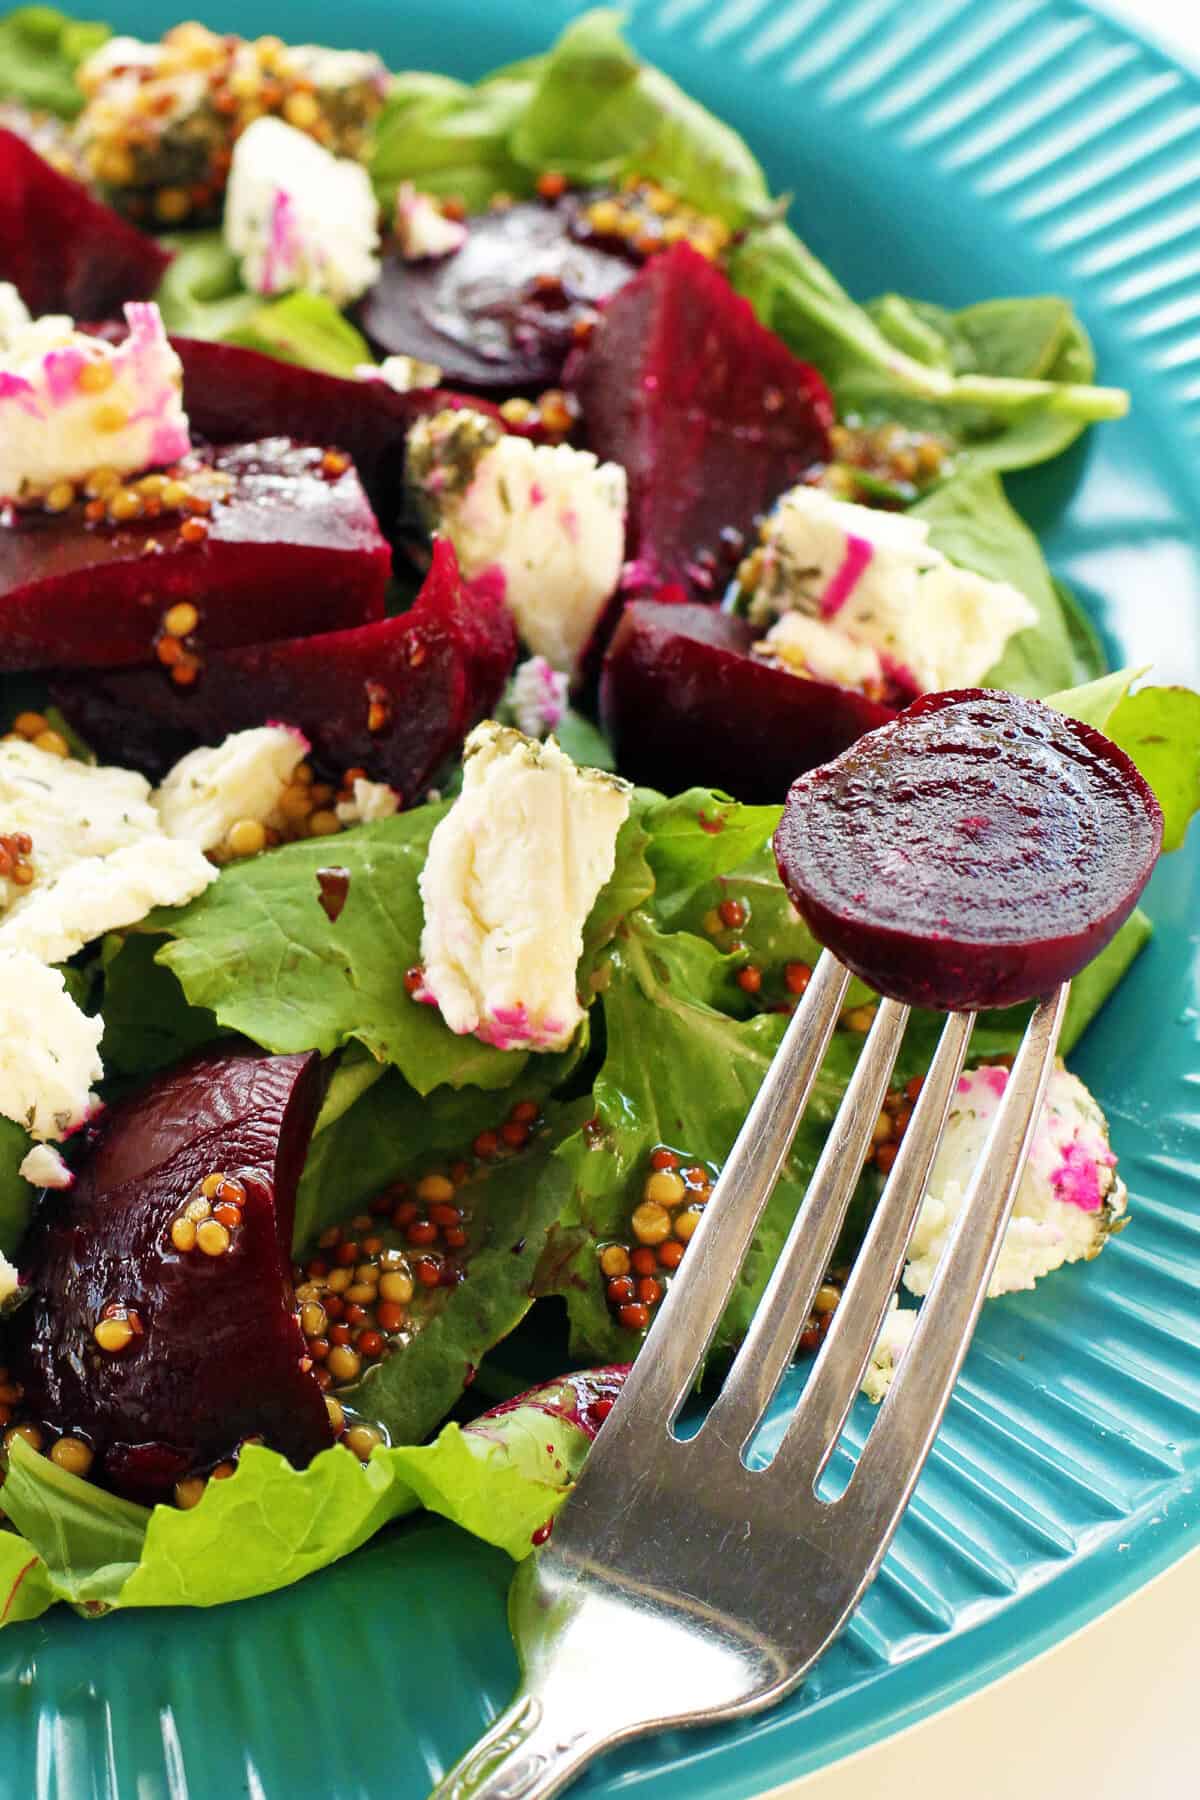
x: 973, y: 853
x: 709, y: 412
x: 499, y: 315
x: 288, y: 544
x: 395, y: 698
x: 684, y: 702
x: 162, y: 1326
x: 63, y: 251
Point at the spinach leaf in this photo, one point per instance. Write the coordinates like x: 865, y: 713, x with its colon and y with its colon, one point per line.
x: 148, y: 1023
x: 16, y: 1195
x: 451, y: 139
x: 40, y: 50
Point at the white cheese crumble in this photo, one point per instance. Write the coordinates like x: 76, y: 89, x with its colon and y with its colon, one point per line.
x: 808, y: 646
x: 893, y: 1340
x: 9, y: 1278
x: 512, y: 873
x: 49, y: 1049
x: 70, y: 404
x: 245, y: 777
x: 45, y: 1168
x: 14, y: 314
x: 545, y: 523
x: 100, y: 859
x: 298, y: 217
x: 1070, y: 1197
x: 422, y: 228
x: 371, y: 800
x: 538, y: 697
x: 403, y: 374
x: 874, y: 577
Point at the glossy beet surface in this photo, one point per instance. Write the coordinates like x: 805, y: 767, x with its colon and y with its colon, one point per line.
x: 62, y: 250
x: 434, y: 671
x: 684, y: 702
x: 497, y: 316
x: 973, y: 853
x: 710, y: 414
x: 232, y: 394
x: 289, y: 549
x: 219, y: 1354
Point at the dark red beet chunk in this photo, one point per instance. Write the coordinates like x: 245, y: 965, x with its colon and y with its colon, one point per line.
x: 498, y: 316
x: 975, y: 852
x: 433, y: 673
x: 220, y: 1355
x: 62, y: 250
x: 710, y: 413
x: 684, y: 702
x: 290, y: 549
x: 232, y: 395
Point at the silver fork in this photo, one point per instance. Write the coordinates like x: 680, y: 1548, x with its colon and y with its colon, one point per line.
x: 681, y: 1587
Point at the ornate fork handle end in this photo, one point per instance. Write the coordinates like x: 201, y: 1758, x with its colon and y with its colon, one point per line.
x: 527, y: 1755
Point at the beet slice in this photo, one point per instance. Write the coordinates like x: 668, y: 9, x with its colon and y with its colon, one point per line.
x: 498, y: 316
x: 231, y: 394
x: 219, y: 1355
x: 683, y: 701
x: 290, y: 549
x: 63, y: 251
x: 975, y: 852
x: 710, y: 414
x: 435, y: 672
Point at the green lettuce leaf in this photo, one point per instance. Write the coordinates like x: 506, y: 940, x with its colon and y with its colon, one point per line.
x: 451, y: 139
x: 201, y: 294
x: 306, y: 329
x: 1158, y: 728
x: 25, y: 1587
x: 40, y: 50
x: 148, y: 1023
x: 16, y: 1195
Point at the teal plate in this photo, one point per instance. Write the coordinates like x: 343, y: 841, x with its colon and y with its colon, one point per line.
x: 955, y: 149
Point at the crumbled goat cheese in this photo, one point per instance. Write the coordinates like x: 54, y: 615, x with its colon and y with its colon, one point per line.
x: 49, y: 1049
x: 808, y: 646
x: 544, y: 523
x: 1070, y: 1197
x: 403, y: 374
x: 9, y: 1278
x: 874, y: 577
x: 372, y: 800
x: 298, y: 217
x: 422, y: 228
x: 100, y: 859
x: 538, y: 697
x: 70, y: 404
x: 14, y: 315
x: 45, y: 1168
x: 512, y: 873
x: 245, y: 777
x: 893, y: 1340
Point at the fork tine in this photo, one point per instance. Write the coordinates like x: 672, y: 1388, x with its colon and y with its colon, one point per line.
x: 770, y: 1343
x: 684, y: 1325
x: 911, y: 1412
x: 841, y: 1364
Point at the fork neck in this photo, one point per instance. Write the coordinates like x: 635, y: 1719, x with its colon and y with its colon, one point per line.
x: 529, y: 1754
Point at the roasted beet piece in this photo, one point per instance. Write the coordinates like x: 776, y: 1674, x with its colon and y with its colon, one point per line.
x: 232, y: 394
x: 684, y: 702
x: 498, y: 316
x: 216, y: 1353
x: 709, y: 412
x: 975, y: 852
x: 430, y: 674
x: 291, y: 548
x: 62, y: 250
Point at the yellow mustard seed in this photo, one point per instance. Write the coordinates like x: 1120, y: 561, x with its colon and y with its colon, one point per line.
x: 614, y: 1261
x: 197, y: 1209
x: 30, y: 1433
x: 110, y: 415
x: 59, y: 498
x: 95, y: 377
x: 337, y: 1417
x: 827, y: 1299
x: 181, y: 620
x: 362, y: 1439
x: 686, y: 1223
x: 313, y: 1319
x: 53, y: 742
x: 396, y: 1287
x: 247, y: 838
x: 434, y: 1188
x: 212, y: 1237
x: 113, y: 1335
x: 324, y: 824
x: 189, y: 1492
x: 651, y: 1223
x: 343, y: 1363
x: 183, y: 1234
x: 665, y: 1187
x: 73, y: 1455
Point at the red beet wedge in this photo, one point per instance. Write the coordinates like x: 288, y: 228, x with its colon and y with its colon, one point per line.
x: 231, y: 395
x: 498, y: 316
x: 975, y: 852
x: 215, y: 1353
x: 394, y: 698
x: 683, y: 701
x: 62, y: 250
x: 291, y: 546
x: 709, y: 412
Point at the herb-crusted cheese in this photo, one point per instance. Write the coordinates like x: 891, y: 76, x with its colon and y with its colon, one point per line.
x: 244, y: 777
x: 1070, y: 1197
x: 298, y: 217
x: 512, y: 873
x: 874, y: 578
x: 71, y: 404
x: 546, y: 523
x: 49, y: 1049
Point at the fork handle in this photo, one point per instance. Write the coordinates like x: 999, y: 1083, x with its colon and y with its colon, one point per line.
x: 527, y: 1755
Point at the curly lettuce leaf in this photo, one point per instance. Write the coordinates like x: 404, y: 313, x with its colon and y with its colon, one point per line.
x: 40, y: 50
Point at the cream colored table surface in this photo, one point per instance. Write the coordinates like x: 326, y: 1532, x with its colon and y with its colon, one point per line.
x: 1114, y: 1712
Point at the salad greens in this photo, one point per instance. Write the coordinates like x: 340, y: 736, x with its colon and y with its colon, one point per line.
x: 40, y: 50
